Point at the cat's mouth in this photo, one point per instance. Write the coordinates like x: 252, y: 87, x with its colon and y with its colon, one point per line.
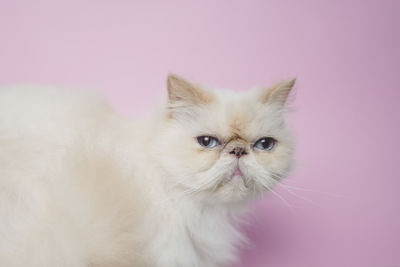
x: 237, y: 171
x: 234, y: 186
x: 236, y: 177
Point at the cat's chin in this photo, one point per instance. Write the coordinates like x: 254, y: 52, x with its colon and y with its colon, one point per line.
x: 235, y: 189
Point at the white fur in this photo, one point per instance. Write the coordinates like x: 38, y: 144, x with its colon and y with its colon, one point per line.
x: 81, y: 186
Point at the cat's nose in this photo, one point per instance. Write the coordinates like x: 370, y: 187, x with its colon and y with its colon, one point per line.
x: 238, y: 151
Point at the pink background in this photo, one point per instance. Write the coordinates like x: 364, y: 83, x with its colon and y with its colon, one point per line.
x: 344, y: 53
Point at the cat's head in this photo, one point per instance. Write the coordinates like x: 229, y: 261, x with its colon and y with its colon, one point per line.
x: 222, y: 146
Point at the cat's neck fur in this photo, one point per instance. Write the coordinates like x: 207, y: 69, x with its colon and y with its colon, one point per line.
x: 191, y: 232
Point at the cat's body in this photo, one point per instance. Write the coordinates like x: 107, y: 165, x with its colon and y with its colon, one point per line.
x: 80, y: 186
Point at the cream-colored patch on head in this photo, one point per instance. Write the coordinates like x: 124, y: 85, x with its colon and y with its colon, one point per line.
x: 237, y: 121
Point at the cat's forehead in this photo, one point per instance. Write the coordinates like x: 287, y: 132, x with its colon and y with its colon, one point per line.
x: 236, y: 115
x: 227, y: 114
x: 238, y: 118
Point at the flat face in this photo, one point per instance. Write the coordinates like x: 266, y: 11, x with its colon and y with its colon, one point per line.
x: 228, y: 148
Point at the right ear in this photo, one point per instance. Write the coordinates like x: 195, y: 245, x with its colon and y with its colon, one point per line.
x: 277, y: 93
x: 184, y: 93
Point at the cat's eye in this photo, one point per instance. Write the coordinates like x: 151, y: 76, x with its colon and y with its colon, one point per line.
x: 265, y: 143
x: 208, y: 141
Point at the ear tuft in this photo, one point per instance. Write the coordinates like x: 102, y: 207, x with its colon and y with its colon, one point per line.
x: 279, y: 92
x: 180, y: 90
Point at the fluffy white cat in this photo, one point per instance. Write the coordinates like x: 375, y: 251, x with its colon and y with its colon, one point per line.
x: 82, y: 186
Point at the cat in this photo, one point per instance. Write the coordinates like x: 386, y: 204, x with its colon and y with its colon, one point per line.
x: 82, y: 186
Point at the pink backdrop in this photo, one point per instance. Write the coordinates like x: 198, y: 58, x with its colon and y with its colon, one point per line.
x: 344, y: 53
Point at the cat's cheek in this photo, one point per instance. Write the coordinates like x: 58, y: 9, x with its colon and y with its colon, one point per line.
x: 205, y: 159
x: 276, y: 161
x: 197, y: 159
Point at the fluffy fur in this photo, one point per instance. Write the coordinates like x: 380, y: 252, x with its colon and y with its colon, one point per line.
x: 81, y: 186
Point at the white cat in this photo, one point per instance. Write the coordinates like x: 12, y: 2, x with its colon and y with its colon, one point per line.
x: 81, y: 186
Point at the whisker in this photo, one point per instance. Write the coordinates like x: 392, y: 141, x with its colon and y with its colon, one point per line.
x: 314, y: 191
x: 278, y: 178
x: 298, y: 196
x: 291, y: 207
x: 283, y: 199
x: 179, y: 195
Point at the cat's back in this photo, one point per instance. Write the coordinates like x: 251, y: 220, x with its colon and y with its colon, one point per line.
x: 57, y: 114
x: 57, y: 176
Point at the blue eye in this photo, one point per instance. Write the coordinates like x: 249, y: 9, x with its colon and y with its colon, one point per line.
x: 208, y: 141
x: 265, y: 143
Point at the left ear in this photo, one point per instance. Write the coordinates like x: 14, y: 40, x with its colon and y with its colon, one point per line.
x: 182, y: 92
x: 278, y: 93
x: 183, y: 96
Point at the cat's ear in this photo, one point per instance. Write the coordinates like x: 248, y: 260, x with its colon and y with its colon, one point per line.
x: 184, y: 93
x: 278, y: 93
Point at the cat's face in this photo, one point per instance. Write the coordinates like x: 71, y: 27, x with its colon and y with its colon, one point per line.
x: 221, y: 146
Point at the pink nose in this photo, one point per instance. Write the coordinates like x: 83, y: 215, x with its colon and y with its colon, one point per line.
x: 238, y: 151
